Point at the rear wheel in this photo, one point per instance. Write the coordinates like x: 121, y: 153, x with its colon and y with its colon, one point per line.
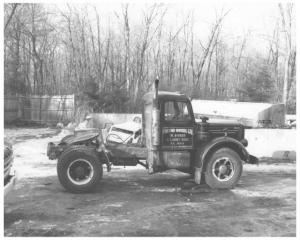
x: 79, y: 169
x: 223, y: 169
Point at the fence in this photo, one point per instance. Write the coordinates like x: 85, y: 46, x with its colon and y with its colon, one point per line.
x: 42, y: 109
x: 11, y: 108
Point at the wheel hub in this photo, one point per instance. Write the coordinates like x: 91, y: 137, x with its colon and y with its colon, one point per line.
x: 223, y: 169
x: 80, y: 172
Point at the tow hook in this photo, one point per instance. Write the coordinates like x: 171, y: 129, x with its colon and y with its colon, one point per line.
x: 108, y: 167
x: 108, y: 163
x: 103, y: 149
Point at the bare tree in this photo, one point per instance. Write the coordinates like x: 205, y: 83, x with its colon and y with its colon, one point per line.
x: 13, y: 10
x: 115, y: 64
x: 287, y: 24
x: 148, y: 19
x: 198, y: 67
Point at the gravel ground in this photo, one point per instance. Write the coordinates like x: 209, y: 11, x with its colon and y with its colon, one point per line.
x: 129, y: 202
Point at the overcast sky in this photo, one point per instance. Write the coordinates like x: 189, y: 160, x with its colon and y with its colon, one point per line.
x: 258, y: 17
x: 244, y: 15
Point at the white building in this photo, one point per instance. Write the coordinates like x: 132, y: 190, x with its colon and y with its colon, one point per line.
x: 247, y: 113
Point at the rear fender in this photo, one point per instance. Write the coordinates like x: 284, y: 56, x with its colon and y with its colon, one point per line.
x: 75, y: 139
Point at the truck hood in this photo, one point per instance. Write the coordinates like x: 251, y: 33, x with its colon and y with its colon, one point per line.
x: 220, y: 129
x: 223, y: 125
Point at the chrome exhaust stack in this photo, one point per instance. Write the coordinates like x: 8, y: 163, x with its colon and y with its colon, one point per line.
x: 153, y: 158
x: 155, y: 117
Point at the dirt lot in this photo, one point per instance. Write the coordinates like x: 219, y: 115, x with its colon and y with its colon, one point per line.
x: 129, y: 202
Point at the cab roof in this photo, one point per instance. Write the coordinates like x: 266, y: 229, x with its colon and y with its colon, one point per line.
x: 148, y: 97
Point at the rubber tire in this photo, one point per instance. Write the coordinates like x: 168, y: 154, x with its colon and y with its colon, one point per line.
x: 211, y: 181
x: 72, y: 153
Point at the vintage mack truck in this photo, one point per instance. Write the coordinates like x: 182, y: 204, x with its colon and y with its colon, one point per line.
x: 171, y: 138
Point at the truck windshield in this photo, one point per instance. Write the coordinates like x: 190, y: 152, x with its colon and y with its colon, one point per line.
x: 176, y: 111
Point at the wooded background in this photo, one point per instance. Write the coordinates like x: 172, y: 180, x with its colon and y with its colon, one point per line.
x: 57, y: 52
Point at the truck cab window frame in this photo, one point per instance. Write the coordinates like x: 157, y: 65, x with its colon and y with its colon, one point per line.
x: 176, y: 111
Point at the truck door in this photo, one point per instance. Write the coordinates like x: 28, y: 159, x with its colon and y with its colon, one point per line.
x: 177, y: 125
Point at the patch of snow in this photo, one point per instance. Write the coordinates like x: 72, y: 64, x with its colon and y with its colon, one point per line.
x: 163, y: 190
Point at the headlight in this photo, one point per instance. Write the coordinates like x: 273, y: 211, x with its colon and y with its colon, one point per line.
x: 244, y: 142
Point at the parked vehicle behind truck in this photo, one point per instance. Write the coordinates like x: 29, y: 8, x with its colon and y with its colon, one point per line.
x: 170, y: 139
x: 9, y: 174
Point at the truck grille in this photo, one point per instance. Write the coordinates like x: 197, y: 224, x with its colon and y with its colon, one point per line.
x: 219, y: 131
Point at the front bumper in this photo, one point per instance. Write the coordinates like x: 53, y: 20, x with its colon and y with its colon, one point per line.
x: 10, y: 183
x: 253, y: 160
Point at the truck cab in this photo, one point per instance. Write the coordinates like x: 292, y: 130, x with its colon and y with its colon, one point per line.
x: 168, y: 131
x: 175, y: 139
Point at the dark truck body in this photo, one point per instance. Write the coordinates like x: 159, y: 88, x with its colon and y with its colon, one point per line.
x: 168, y: 141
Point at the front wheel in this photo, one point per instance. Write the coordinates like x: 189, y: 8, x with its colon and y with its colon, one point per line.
x: 223, y: 169
x: 79, y: 169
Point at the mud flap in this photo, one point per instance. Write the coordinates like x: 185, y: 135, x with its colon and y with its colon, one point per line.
x: 154, y: 162
x: 198, y: 167
x: 102, y: 149
x: 150, y: 162
x: 198, y: 174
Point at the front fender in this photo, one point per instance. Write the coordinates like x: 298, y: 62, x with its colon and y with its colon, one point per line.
x: 205, y: 150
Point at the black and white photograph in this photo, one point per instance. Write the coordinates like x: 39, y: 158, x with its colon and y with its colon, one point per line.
x: 149, y: 118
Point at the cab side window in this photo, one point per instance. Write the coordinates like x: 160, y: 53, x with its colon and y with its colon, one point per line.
x: 176, y: 111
